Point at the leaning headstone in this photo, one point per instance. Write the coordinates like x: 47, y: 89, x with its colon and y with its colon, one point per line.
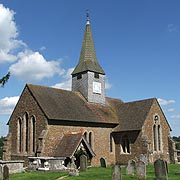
x: 130, y: 168
x: 5, y: 173
x: 1, y: 172
x: 83, y: 163
x: 160, y: 168
x: 116, y: 172
x: 103, y: 162
x: 141, y: 170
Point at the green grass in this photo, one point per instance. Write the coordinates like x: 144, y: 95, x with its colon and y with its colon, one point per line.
x: 92, y: 174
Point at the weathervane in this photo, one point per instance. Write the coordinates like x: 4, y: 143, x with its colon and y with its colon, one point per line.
x: 87, y: 16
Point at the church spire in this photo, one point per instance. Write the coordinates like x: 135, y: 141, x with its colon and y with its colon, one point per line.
x: 88, y: 77
x: 88, y: 60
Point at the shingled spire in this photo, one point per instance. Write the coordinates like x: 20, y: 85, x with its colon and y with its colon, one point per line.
x: 88, y: 60
x: 88, y: 77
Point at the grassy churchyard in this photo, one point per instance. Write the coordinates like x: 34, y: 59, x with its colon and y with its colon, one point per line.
x: 92, y: 174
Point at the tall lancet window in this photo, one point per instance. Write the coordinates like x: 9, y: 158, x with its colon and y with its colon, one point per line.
x: 85, y: 135
x: 26, y: 132
x: 159, y: 138
x: 155, y: 138
x: 33, y: 133
x: 111, y: 143
x: 19, y: 135
x: 157, y: 134
x: 90, y: 139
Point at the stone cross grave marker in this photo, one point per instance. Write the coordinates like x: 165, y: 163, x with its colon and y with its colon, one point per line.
x: 131, y: 167
x: 116, y: 172
x: 5, y: 173
x: 141, y: 170
x: 83, y: 163
x: 1, y: 172
x: 161, y: 172
x: 103, y: 162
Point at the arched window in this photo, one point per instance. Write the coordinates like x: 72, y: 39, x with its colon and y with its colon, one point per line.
x: 85, y: 135
x: 19, y: 135
x: 157, y: 134
x: 26, y: 133
x: 155, y: 138
x: 159, y: 138
x: 33, y: 133
x: 125, y: 144
x: 111, y: 143
x: 90, y: 139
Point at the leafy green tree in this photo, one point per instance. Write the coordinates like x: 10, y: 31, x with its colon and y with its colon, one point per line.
x: 4, y: 79
x: 1, y: 146
x: 177, y: 141
x: 178, y: 145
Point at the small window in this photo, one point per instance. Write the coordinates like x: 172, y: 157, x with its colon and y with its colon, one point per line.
x: 79, y: 76
x: 156, y: 118
x: 125, y: 145
x: 96, y: 75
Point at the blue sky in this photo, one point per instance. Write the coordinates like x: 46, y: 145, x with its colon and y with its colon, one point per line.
x: 137, y: 43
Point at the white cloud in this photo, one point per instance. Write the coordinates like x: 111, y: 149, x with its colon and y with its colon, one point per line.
x: 43, y: 48
x: 8, y: 35
x: 67, y: 82
x: 67, y: 75
x: 170, y: 110
x: 7, y: 104
x: 172, y: 28
x: 66, y: 85
x: 32, y: 66
x: 175, y: 116
x: 107, y: 84
x: 165, y: 102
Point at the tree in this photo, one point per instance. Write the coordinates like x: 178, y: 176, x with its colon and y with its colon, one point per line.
x: 1, y: 146
x: 177, y: 141
x: 4, y: 79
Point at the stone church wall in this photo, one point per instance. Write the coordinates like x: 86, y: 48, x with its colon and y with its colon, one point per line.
x: 100, y: 141
x: 164, y: 133
x: 28, y: 105
x: 143, y: 142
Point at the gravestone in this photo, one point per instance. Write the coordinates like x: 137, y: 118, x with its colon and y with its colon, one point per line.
x: 73, y: 171
x: 83, y: 163
x: 73, y: 165
x: 103, y: 162
x: 131, y: 167
x: 1, y: 172
x: 160, y: 168
x: 116, y: 172
x: 5, y: 173
x: 143, y: 158
x: 141, y: 170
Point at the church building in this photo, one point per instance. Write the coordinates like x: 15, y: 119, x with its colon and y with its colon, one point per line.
x: 50, y: 122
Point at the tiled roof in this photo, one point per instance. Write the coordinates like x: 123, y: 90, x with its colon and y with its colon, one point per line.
x: 69, y: 144
x: 133, y: 115
x: 65, y: 105
x: 88, y: 60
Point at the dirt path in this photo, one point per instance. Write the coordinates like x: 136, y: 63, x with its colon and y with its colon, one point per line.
x: 62, y: 177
